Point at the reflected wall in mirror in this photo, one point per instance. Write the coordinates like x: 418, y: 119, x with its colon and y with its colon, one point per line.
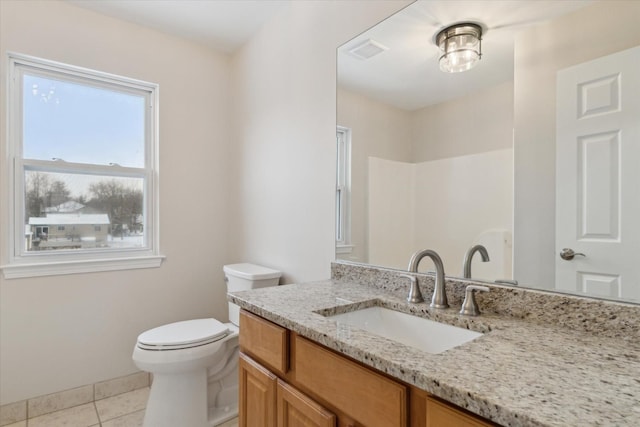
x: 448, y: 161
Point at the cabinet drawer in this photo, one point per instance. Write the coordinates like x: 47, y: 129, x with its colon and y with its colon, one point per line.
x: 440, y: 414
x: 264, y: 341
x: 369, y: 398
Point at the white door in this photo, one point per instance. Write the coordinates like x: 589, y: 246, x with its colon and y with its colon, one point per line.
x: 598, y: 176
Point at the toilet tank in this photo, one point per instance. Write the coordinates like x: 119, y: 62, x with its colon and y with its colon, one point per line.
x: 245, y: 276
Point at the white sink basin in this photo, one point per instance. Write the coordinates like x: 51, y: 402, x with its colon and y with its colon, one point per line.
x: 424, y: 334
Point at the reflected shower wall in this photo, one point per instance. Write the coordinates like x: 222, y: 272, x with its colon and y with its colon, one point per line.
x: 447, y: 205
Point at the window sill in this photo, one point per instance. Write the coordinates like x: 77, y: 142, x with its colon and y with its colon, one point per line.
x: 344, y: 249
x: 17, y: 271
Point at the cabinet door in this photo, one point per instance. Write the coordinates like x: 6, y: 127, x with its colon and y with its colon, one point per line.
x: 442, y: 415
x: 257, y: 394
x: 297, y: 410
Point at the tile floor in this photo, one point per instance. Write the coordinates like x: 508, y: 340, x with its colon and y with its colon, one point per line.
x: 123, y: 410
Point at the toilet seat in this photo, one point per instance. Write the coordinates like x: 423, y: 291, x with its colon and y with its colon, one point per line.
x: 182, y: 335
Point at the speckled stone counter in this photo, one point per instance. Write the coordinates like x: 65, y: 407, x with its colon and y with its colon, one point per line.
x: 571, y: 369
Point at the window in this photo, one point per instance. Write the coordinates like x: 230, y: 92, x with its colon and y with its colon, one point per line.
x: 82, y: 170
x: 343, y: 191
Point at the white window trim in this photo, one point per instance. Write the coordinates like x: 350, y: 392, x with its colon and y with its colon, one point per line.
x: 344, y: 246
x: 344, y: 249
x: 18, y: 265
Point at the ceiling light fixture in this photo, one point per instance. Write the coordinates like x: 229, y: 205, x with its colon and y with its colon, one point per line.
x: 460, y: 47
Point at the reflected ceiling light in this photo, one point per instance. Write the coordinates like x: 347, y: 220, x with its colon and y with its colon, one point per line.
x: 460, y: 47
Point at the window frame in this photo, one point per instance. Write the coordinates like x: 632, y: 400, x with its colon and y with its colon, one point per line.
x: 19, y: 262
x: 343, y: 190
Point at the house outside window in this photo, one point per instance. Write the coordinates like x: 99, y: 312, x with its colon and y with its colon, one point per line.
x: 82, y: 170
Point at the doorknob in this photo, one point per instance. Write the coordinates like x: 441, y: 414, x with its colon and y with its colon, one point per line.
x: 568, y: 254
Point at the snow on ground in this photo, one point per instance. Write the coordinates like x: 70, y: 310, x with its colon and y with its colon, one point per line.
x: 131, y: 241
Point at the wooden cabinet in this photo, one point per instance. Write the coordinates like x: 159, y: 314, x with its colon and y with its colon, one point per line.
x: 266, y: 401
x: 297, y: 410
x: 257, y: 400
x: 369, y: 398
x: 265, y: 341
x: 440, y: 414
x: 289, y: 381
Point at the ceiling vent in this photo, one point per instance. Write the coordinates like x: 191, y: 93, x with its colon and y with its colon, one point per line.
x: 367, y: 49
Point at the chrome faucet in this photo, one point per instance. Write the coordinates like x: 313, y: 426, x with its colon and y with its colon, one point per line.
x: 439, y: 299
x: 415, y: 296
x: 470, y: 306
x: 466, y: 265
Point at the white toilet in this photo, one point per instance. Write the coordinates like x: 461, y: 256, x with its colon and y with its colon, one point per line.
x: 195, y: 362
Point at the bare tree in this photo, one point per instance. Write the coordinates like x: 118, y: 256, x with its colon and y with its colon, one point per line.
x: 43, y: 192
x: 57, y: 193
x: 123, y: 203
x: 37, y: 184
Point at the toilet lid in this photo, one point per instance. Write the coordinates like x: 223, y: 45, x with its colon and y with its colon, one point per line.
x: 185, y: 334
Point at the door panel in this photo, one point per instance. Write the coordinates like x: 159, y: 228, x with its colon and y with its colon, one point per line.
x: 598, y: 187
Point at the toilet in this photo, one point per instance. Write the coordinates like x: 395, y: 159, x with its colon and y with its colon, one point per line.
x: 195, y: 362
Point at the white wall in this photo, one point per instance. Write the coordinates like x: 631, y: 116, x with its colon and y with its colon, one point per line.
x: 252, y: 140
x: 478, y: 122
x: 609, y: 26
x: 285, y: 93
x: 61, y: 332
x: 391, y: 207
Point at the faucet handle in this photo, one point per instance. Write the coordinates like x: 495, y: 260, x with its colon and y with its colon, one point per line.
x: 470, y: 306
x: 415, y: 296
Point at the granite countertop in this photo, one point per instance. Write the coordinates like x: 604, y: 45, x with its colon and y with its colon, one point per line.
x: 519, y: 373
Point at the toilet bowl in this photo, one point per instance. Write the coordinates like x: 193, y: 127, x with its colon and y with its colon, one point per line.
x: 180, y: 356
x: 195, y: 362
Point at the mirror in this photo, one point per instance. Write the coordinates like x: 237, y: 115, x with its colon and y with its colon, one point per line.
x: 449, y: 161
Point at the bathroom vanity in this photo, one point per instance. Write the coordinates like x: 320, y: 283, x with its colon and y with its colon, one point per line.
x: 285, y: 378
x: 543, y: 359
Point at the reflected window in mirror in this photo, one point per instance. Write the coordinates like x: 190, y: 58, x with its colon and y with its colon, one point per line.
x: 343, y: 190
